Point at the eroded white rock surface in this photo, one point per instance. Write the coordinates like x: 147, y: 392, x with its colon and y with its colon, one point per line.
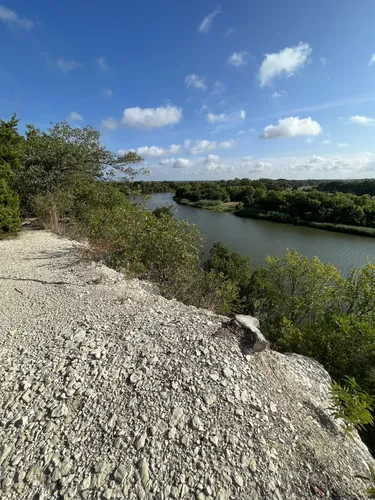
x: 110, y: 391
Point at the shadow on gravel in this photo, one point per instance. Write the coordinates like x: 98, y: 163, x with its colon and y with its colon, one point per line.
x: 42, y: 282
x: 71, y: 257
x: 325, y: 420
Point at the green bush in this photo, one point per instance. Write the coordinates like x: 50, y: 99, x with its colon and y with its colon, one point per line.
x: 10, y: 221
x: 352, y: 405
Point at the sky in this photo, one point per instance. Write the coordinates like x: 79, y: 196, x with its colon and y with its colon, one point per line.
x: 201, y: 89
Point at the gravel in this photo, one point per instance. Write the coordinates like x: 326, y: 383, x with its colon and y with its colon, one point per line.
x: 108, y: 390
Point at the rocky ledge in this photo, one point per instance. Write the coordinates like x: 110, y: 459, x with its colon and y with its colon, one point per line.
x: 108, y: 390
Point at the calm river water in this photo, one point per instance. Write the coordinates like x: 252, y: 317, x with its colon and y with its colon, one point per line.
x: 257, y: 239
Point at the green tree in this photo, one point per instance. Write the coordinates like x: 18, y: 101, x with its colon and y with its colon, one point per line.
x: 236, y: 268
x: 64, y: 157
x: 10, y: 149
x: 294, y: 289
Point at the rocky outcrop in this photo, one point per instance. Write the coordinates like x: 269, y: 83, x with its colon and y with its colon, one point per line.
x: 107, y: 390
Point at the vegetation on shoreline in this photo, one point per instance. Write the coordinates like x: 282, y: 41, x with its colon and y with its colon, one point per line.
x: 64, y: 177
x: 308, y: 206
x: 257, y: 213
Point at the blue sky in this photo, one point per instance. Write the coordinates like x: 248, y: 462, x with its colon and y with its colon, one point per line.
x: 201, y: 89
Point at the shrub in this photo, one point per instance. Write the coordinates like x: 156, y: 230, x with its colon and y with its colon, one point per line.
x: 352, y: 404
x: 10, y: 221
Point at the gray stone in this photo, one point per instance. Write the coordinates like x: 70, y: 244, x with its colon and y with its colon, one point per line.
x: 238, y: 479
x: 210, y: 399
x: 196, y: 423
x: 140, y: 442
x: 177, y: 415
x: 60, y: 411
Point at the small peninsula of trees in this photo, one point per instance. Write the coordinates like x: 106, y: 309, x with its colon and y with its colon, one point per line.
x: 64, y: 177
x: 285, y: 201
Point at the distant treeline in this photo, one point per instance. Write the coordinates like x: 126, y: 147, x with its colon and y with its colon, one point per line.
x: 290, y: 201
x: 358, y: 187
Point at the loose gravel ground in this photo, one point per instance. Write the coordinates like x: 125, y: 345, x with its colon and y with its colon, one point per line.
x: 108, y: 390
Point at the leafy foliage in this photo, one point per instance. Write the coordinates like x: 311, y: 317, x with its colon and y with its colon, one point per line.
x: 234, y: 267
x: 10, y: 142
x: 352, y: 404
x: 64, y: 157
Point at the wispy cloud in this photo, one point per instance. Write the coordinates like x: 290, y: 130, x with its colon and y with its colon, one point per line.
x: 195, y: 81
x: 75, y: 116
x: 102, y: 64
x: 12, y: 19
x: 372, y: 60
x: 219, y: 88
x: 66, y: 65
x: 317, y: 107
x: 277, y: 94
x: 107, y: 92
x: 238, y: 59
x: 226, y: 118
x: 362, y: 120
x: 206, y: 24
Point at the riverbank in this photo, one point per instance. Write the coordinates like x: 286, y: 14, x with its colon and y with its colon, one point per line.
x: 254, y: 213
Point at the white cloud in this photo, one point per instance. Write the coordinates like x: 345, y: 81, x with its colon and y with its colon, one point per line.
x: 326, y: 141
x: 372, y: 60
x: 75, y: 116
x: 12, y: 19
x: 67, y: 65
x: 226, y: 144
x: 187, y: 143
x: 310, y: 140
x: 206, y: 24
x: 362, y: 120
x: 319, y: 165
x: 286, y: 62
x: 148, y: 118
x: 219, y: 88
x: 212, y: 118
x: 175, y: 162
x: 202, y: 147
x: 102, y: 63
x: 240, y: 132
x: 247, y: 158
x: 111, y: 124
x: 343, y: 144
x: 260, y: 166
x: 324, y: 61
x: 276, y: 94
x: 238, y: 59
x: 229, y: 118
x: 212, y: 162
x: 292, y: 127
x: 195, y: 81
x: 108, y: 92
x: 228, y: 32
x: 212, y: 158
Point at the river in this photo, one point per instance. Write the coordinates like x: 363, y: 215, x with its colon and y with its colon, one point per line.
x: 258, y: 238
